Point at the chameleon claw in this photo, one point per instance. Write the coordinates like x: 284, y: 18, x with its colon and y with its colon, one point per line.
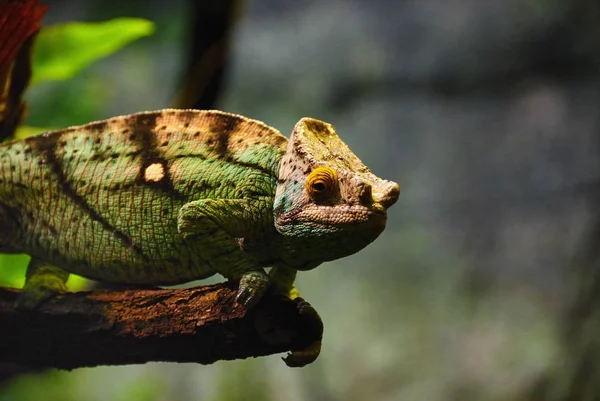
x: 253, y: 286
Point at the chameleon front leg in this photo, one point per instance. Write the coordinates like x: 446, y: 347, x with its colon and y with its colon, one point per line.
x: 212, y: 226
x: 42, y: 281
x: 282, y: 278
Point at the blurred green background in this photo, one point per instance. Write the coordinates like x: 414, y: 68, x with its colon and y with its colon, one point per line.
x: 485, y: 112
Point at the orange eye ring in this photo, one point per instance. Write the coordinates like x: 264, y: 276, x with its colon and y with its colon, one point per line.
x: 322, y: 183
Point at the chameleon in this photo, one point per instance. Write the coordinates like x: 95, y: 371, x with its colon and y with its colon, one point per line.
x: 170, y: 196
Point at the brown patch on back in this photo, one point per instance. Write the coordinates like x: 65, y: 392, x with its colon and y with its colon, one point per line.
x: 223, y: 132
x: 145, y: 120
x: 143, y: 129
x: 222, y: 127
x: 95, y: 127
x: 221, y: 141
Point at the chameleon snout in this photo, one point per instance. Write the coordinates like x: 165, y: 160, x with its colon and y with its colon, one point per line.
x: 380, y: 194
x: 386, y: 194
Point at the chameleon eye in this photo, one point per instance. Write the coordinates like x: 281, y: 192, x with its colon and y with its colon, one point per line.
x: 322, y: 183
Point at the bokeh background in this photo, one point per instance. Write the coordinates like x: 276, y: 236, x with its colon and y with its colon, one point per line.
x: 488, y: 115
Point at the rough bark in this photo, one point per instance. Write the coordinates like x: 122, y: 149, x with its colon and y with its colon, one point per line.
x: 202, y: 325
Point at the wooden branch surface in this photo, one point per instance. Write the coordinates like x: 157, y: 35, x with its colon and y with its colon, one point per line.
x: 202, y: 325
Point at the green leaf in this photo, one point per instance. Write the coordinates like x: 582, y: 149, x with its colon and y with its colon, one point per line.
x: 62, y: 50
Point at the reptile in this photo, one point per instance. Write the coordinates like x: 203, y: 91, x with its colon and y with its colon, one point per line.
x: 170, y: 196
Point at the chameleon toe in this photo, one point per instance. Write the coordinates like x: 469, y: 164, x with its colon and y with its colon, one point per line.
x: 33, y: 296
x: 253, y: 286
x: 43, y: 281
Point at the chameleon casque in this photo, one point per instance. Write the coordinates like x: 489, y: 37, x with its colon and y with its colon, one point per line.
x: 171, y: 196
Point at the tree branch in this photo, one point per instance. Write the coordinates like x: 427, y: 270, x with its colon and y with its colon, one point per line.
x: 202, y: 325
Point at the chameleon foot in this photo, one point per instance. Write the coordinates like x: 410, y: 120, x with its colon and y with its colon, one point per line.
x: 308, y: 354
x: 33, y: 296
x: 43, y: 281
x: 253, y: 286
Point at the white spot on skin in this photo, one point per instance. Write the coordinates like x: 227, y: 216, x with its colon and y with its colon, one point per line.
x: 154, y: 172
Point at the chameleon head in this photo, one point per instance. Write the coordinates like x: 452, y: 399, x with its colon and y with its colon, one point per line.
x: 328, y: 204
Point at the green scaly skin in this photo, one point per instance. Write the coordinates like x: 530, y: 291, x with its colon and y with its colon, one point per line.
x: 171, y: 196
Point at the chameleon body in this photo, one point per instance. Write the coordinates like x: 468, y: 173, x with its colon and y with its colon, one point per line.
x: 171, y: 196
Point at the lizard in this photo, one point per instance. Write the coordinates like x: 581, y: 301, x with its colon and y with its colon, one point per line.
x: 170, y: 196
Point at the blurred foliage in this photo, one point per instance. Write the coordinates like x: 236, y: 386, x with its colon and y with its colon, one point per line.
x: 63, y: 50
x: 84, y: 384
x: 233, y: 383
x: 12, y: 273
x: 26, y: 130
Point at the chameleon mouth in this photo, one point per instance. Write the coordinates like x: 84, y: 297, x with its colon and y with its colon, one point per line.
x: 377, y: 220
x: 388, y: 196
x: 344, y: 217
x: 334, y: 219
